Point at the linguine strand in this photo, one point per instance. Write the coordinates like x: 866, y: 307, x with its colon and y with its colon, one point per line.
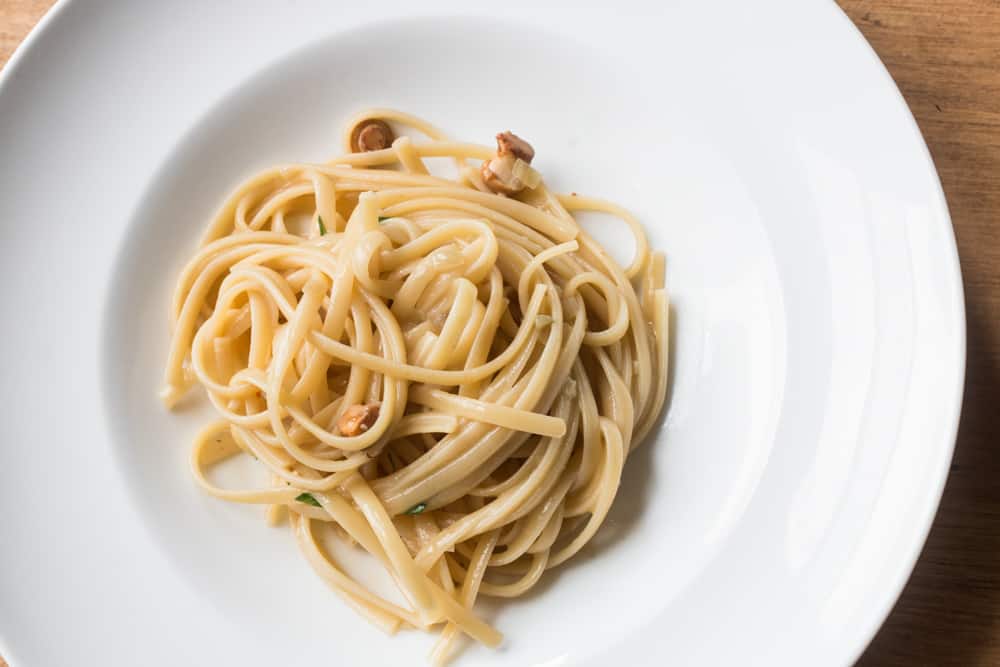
x: 448, y: 378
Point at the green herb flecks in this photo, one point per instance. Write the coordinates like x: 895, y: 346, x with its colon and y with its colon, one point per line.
x: 417, y: 509
x: 307, y: 498
x: 322, y: 227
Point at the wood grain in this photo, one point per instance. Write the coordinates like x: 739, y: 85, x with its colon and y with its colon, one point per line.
x: 945, y: 57
x: 17, y: 17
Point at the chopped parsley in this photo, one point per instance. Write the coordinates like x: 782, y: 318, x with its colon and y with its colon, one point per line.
x: 322, y: 227
x: 307, y: 498
x: 417, y: 509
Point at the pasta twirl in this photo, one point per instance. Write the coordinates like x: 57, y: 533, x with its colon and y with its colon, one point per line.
x: 448, y: 372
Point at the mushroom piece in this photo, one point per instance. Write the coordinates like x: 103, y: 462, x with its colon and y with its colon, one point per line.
x: 371, y: 135
x: 509, y: 143
x: 509, y: 172
x: 357, y: 419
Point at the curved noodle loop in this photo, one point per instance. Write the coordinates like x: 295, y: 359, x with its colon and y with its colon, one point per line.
x: 449, y: 373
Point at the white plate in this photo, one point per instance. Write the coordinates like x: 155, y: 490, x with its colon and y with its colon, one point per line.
x: 819, y: 350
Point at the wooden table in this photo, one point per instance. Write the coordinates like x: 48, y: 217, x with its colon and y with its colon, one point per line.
x: 945, y: 57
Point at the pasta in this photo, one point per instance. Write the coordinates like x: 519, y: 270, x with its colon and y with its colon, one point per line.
x: 447, y: 372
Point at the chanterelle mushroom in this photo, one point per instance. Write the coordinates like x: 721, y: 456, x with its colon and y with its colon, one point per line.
x: 371, y: 135
x: 509, y: 172
x: 357, y: 419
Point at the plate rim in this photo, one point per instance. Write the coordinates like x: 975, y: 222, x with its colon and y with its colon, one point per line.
x: 895, y: 590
